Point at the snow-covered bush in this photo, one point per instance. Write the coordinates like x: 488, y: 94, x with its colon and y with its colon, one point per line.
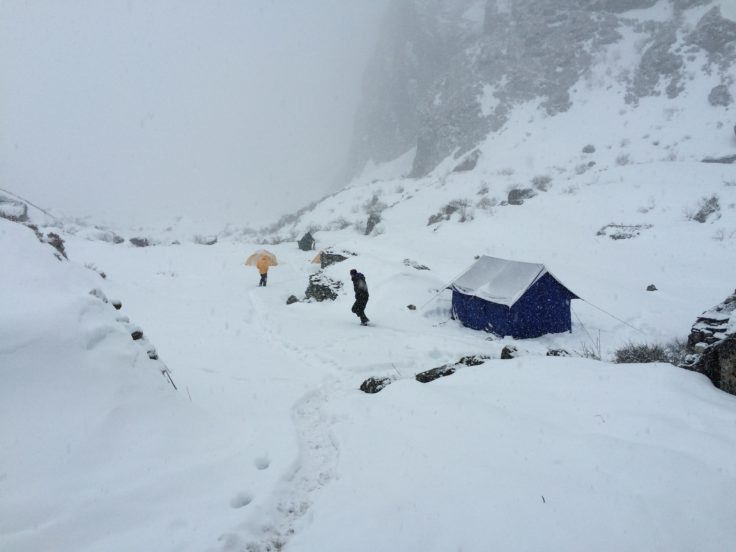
x: 707, y: 206
x: 486, y: 203
x: 374, y: 205
x: 634, y: 353
x: 460, y: 206
x: 623, y: 159
x: 542, y: 182
x: 339, y: 223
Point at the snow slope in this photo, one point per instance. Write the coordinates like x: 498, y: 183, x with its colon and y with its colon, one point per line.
x: 277, y: 447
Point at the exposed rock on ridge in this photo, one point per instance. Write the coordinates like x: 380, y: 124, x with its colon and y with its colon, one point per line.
x: 446, y: 73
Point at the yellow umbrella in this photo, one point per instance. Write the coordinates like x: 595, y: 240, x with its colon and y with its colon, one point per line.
x: 253, y: 259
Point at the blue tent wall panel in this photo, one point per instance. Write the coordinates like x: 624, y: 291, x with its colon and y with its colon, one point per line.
x: 544, y: 308
x: 480, y: 314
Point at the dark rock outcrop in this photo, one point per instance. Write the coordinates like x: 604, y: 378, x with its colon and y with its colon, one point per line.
x: 307, y: 242
x: 292, y: 299
x: 322, y: 288
x: 651, y: 287
x: 440, y: 80
x: 140, y: 242
x: 712, y: 345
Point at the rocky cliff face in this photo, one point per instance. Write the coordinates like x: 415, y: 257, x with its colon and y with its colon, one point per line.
x: 446, y: 73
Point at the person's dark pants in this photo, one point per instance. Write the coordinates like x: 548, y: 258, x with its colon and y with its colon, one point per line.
x: 263, y: 280
x: 359, y: 308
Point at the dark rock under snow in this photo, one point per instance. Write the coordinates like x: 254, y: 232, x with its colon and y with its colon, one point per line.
x: 322, y: 288
x: 712, y: 345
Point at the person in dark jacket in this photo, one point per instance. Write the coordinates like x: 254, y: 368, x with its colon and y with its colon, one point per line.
x: 361, y: 296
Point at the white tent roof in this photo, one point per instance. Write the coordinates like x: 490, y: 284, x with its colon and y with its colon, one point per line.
x: 499, y: 280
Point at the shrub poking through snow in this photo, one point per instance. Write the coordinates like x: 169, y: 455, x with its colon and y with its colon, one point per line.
x: 415, y: 265
x: 623, y: 159
x: 542, y: 182
x: 459, y: 206
x: 486, y: 203
x: 55, y: 241
x: 706, y: 207
x: 622, y: 231
x: 639, y: 353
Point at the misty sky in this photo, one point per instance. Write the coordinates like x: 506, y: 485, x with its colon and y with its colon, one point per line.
x: 142, y: 110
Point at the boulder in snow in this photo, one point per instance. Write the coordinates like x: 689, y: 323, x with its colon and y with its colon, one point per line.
x: 140, y: 242
x: 720, y: 96
x: 292, y: 299
x: 15, y: 211
x: 469, y: 163
x: 374, y: 385
x: 307, y: 242
x: 373, y: 220
x: 205, y: 240
x: 435, y: 373
x: 712, y: 344
x: 509, y: 352
x: 327, y: 258
x: 518, y: 195
x: 322, y: 288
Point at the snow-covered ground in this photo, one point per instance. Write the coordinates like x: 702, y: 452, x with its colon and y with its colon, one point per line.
x: 268, y: 441
x: 268, y: 444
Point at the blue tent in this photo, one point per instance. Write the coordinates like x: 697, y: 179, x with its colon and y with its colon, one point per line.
x: 511, y: 298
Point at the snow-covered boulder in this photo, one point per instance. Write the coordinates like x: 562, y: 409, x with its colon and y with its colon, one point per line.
x: 322, y: 288
x: 13, y: 210
x: 712, y: 342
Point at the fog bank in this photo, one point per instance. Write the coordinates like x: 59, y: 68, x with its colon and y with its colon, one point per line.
x: 140, y: 111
